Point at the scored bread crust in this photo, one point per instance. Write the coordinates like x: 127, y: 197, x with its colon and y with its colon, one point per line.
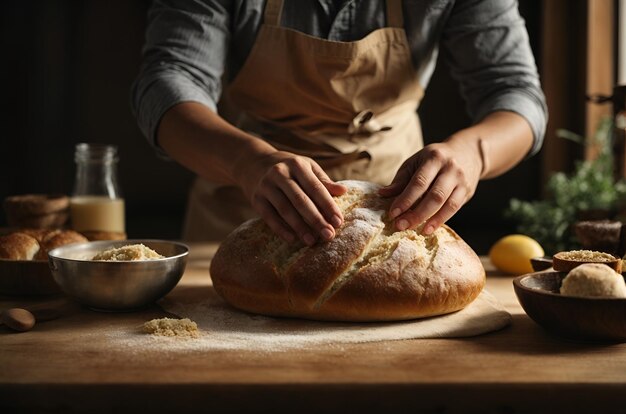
x: 368, y: 272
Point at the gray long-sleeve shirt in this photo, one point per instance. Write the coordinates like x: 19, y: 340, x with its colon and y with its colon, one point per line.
x: 191, y: 45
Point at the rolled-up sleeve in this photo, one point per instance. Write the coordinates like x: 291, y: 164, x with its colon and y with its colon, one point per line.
x: 486, y: 45
x: 183, y: 59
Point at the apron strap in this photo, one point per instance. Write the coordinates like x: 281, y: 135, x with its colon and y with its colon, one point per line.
x: 395, y: 17
x: 273, y: 12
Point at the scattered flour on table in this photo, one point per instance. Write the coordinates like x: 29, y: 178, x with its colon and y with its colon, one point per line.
x: 222, y: 327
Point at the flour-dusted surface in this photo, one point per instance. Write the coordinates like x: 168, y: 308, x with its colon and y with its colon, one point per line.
x: 222, y: 327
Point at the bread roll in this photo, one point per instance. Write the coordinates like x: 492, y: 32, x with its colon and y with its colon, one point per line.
x: 18, y: 246
x: 34, y: 244
x: 593, y: 280
x: 57, y: 239
x: 39, y: 234
x: 368, y: 272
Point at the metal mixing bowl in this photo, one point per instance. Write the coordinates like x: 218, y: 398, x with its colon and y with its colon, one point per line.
x: 117, y: 285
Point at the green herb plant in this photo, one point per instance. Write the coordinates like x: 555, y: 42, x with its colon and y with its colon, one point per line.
x: 590, y: 187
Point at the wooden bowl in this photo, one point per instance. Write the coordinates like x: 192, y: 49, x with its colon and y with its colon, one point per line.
x: 27, y: 277
x: 592, y: 319
x: 541, y: 263
x: 562, y: 264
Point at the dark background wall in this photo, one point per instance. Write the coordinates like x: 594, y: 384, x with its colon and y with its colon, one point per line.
x: 66, y: 79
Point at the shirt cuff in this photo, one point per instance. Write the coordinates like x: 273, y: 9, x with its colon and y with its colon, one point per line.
x: 529, y: 107
x: 159, y: 96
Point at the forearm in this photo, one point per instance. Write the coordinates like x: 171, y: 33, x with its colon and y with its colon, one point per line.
x: 202, y: 141
x: 291, y: 193
x: 501, y: 140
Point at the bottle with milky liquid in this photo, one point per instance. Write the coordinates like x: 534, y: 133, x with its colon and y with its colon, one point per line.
x: 96, y: 205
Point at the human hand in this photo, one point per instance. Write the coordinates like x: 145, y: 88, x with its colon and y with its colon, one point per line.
x: 433, y: 184
x: 293, y: 195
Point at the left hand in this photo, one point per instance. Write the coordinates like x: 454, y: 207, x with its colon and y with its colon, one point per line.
x: 433, y: 184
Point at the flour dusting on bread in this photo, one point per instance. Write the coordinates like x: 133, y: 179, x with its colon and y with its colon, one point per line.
x: 368, y: 272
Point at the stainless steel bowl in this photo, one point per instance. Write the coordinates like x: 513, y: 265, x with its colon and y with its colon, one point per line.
x: 117, y: 285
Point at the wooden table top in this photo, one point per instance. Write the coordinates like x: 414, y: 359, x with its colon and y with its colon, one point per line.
x: 519, y: 369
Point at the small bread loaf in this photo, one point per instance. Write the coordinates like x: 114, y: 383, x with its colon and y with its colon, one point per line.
x: 18, y: 246
x: 57, y: 239
x: 368, y: 272
x: 38, y: 234
x: 34, y: 244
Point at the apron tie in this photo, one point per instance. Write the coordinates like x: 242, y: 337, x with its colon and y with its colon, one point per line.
x: 364, y: 123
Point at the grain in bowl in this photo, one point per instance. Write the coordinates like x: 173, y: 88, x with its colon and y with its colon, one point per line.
x: 129, y: 252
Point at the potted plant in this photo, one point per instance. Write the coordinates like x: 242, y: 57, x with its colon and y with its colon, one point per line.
x: 590, y: 192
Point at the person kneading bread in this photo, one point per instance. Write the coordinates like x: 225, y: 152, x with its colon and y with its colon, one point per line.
x: 319, y: 91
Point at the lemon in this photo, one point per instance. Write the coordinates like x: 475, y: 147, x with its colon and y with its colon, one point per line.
x: 512, y: 253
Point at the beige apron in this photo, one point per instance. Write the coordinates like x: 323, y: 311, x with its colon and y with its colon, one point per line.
x: 351, y: 106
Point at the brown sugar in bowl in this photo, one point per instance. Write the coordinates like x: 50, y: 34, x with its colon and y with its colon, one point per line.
x: 566, y: 261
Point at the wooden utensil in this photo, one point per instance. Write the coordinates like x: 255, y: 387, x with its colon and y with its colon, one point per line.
x: 18, y: 319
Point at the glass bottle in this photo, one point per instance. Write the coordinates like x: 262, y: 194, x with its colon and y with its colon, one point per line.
x: 96, y: 204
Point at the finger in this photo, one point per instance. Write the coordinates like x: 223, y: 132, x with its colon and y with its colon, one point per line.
x: 449, y: 209
x: 398, y: 183
x: 306, y: 208
x: 417, y: 186
x: 316, y: 185
x: 271, y: 217
x: 432, y: 201
x: 289, y: 213
x: 335, y: 189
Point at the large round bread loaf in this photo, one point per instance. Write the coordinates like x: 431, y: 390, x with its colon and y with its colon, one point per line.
x: 368, y: 272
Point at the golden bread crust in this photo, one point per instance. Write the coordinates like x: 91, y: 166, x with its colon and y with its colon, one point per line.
x: 368, y: 272
x: 18, y: 246
x: 57, y: 239
x: 34, y: 244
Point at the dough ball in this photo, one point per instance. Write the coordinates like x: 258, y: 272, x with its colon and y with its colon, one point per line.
x: 594, y: 280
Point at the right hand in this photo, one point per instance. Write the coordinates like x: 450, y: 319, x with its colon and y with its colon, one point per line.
x: 293, y: 195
